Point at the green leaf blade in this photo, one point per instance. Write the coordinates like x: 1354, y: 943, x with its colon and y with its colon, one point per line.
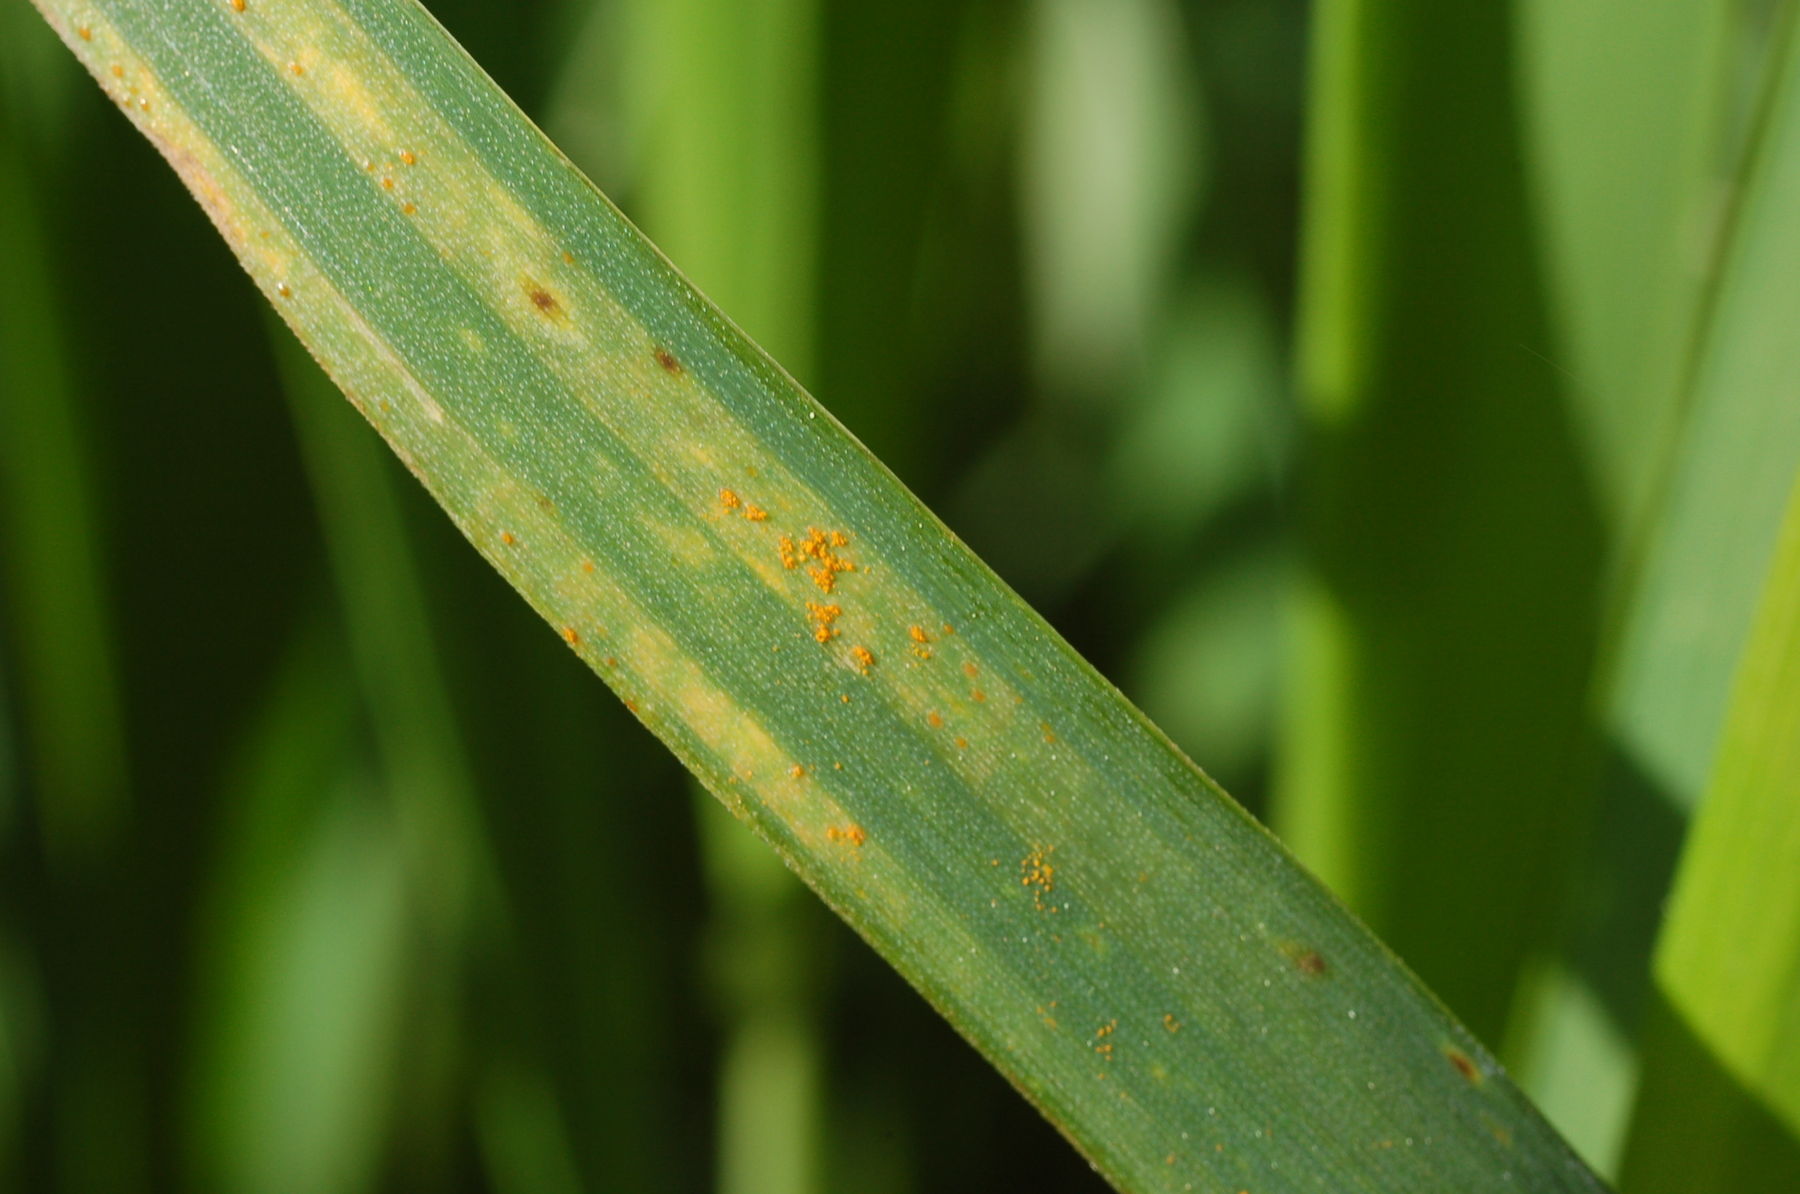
x: 1720, y: 1106
x: 1136, y: 954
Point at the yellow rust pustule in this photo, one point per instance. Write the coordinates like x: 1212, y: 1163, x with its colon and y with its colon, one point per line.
x: 819, y: 553
x: 851, y: 834
x: 822, y: 618
x: 1037, y: 873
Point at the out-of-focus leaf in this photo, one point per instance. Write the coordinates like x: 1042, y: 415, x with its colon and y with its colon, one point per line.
x: 1112, y: 157
x: 1625, y: 108
x: 1208, y: 430
x: 1627, y: 120
x: 1431, y: 772
x: 520, y: 1129
x: 1209, y: 669
x: 53, y: 580
x: 299, y: 1002
x: 1703, y: 567
x: 1721, y: 1105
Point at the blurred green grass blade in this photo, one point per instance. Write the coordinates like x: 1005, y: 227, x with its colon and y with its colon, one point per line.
x: 1136, y: 954
x: 1702, y: 569
x: 1628, y: 121
x: 1578, y: 1059
x: 1689, y: 590
x: 519, y: 1126
x: 298, y: 997
x: 1446, y: 624
x: 722, y: 132
x: 1626, y: 111
x: 20, y: 1032
x: 55, y: 602
x: 420, y: 770
x: 423, y: 768
x: 764, y: 967
x: 1722, y: 1087
x: 1111, y: 161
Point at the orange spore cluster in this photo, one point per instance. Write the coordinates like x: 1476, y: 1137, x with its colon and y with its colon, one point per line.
x: 852, y: 833
x: 865, y: 658
x: 823, y: 616
x: 730, y: 501
x: 1037, y: 873
x: 570, y: 635
x: 820, y: 548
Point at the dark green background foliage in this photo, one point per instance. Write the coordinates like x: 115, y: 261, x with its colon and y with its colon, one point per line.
x: 323, y: 867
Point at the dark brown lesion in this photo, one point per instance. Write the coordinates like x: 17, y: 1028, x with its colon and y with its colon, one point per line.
x: 1306, y: 960
x: 667, y: 360
x: 1463, y: 1064
x: 541, y: 298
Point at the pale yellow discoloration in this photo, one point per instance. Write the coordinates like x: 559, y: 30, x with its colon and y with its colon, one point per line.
x: 688, y: 546
x: 409, y: 385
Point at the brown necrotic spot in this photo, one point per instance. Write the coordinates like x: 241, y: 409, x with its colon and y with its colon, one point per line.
x: 1310, y: 961
x: 1463, y: 1064
x: 667, y: 360
x: 542, y: 299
